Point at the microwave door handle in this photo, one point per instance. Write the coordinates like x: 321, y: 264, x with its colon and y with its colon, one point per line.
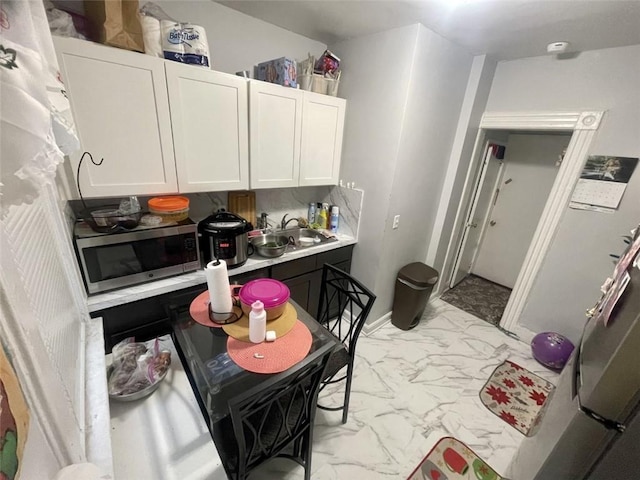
x: 575, y: 391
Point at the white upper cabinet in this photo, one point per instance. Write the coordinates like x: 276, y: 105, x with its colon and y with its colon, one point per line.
x: 275, y: 119
x: 322, y: 128
x: 295, y: 136
x: 210, y: 128
x: 120, y: 106
x: 164, y: 127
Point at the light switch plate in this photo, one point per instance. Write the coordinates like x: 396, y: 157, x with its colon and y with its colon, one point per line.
x: 396, y: 222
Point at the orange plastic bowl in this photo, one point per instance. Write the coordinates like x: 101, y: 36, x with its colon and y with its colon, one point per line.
x: 171, y: 209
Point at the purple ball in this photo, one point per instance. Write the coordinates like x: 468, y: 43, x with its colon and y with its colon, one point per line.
x: 551, y: 349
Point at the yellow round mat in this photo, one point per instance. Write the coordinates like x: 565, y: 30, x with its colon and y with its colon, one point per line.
x: 281, y: 325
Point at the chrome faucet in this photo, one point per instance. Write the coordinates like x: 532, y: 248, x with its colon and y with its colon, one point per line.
x: 285, y: 222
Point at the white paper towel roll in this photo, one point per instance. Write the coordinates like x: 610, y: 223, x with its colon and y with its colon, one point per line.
x: 219, y: 291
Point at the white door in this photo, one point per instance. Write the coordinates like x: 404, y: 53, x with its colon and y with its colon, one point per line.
x: 483, y: 199
x: 322, y: 129
x: 529, y: 173
x: 209, y: 116
x: 275, y: 124
x: 121, y: 110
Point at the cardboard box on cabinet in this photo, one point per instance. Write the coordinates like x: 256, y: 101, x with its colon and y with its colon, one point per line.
x: 281, y: 71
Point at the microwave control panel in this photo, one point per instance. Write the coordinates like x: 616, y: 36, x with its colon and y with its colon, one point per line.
x: 190, y: 248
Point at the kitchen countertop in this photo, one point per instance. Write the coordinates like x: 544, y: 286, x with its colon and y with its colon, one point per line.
x: 150, y: 289
x: 98, y: 436
x: 164, y: 436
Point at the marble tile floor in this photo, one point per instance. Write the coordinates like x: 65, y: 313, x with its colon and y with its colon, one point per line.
x: 409, y: 390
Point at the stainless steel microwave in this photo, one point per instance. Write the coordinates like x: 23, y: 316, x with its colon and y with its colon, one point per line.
x: 122, y: 259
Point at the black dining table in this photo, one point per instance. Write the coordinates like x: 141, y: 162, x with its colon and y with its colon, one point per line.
x: 214, y: 377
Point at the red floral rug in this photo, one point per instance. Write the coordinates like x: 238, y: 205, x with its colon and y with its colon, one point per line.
x: 517, y: 396
x: 450, y: 459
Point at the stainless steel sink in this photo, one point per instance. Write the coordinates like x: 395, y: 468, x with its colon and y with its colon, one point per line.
x: 305, y: 237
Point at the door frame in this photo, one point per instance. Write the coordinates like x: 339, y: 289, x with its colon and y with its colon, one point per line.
x: 583, y: 126
x: 471, y: 211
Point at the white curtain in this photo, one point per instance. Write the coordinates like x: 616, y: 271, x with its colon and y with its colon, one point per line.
x: 36, y: 126
x: 43, y: 314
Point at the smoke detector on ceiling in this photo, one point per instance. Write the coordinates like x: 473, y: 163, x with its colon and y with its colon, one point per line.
x: 558, y: 47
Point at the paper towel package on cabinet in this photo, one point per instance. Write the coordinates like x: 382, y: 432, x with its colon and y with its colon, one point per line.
x: 185, y: 42
x: 168, y: 38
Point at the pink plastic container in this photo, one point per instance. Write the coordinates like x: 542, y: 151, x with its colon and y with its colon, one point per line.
x: 272, y: 293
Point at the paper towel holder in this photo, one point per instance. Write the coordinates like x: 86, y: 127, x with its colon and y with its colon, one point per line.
x: 231, y: 317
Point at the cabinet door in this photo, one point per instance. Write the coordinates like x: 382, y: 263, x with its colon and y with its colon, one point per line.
x: 339, y: 258
x: 275, y: 120
x: 209, y: 117
x: 322, y: 129
x: 304, y: 289
x: 121, y: 110
x: 303, y: 280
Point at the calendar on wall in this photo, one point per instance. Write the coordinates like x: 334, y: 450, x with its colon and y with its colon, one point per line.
x: 602, y: 183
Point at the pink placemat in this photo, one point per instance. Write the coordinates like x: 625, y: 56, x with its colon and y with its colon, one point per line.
x: 199, y: 310
x: 277, y: 356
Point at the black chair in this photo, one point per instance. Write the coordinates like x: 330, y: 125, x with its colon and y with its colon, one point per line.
x: 273, y: 419
x: 344, y: 306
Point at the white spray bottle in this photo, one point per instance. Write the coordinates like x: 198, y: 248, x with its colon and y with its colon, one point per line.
x: 257, y: 322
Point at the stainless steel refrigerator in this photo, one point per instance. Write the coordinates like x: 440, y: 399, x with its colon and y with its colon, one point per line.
x: 591, y: 427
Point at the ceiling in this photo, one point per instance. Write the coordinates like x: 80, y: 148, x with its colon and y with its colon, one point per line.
x: 503, y: 29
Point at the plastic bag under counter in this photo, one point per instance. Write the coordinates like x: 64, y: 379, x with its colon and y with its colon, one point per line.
x: 164, y: 436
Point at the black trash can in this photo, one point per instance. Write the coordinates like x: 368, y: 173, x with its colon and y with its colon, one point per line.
x: 414, y: 284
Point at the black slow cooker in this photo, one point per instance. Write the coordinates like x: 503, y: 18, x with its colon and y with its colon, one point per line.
x: 223, y: 235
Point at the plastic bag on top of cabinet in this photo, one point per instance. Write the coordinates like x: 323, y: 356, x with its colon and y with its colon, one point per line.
x: 150, y: 16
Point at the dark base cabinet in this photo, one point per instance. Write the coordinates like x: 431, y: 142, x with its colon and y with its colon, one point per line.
x: 305, y: 290
x: 144, y: 319
x: 304, y: 276
x: 149, y: 318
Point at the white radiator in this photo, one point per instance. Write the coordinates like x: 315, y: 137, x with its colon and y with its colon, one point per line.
x: 43, y: 321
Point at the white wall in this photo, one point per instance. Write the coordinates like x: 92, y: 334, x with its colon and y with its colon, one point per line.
x: 375, y: 80
x: 529, y: 172
x: 578, y: 262
x: 436, y: 91
x: 237, y: 41
x: 405, y: 89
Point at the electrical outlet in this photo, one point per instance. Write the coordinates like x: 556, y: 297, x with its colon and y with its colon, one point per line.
x: 396, y: 221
